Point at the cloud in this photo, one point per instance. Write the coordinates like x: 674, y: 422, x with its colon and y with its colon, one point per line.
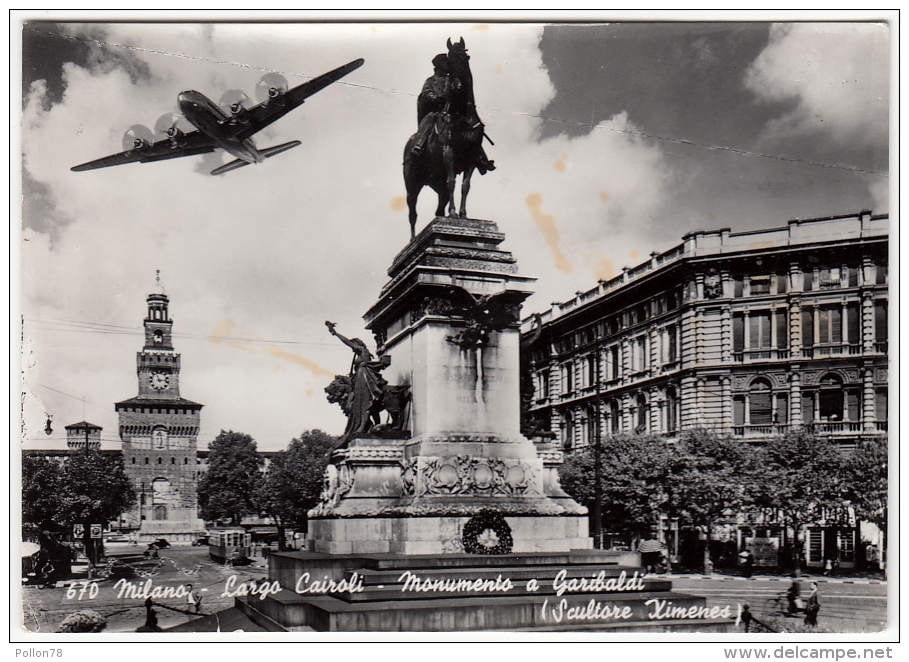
x: 276, y: 249
x: 836, y: 75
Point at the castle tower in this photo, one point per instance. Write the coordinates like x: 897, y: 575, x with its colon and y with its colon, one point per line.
x: 159, y: 431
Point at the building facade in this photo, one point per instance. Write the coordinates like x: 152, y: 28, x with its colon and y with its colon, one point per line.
x: 159, y: 431
x: 746, y: 333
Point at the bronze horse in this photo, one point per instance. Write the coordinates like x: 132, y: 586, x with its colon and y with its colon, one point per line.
x: 453, y: 147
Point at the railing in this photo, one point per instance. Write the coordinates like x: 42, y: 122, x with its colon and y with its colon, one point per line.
x: 759, y: 430
x: 836, y: 428
x: 880, y: 347
x: 749, y: 355
x: 831, y: 350
x: 881, y: 426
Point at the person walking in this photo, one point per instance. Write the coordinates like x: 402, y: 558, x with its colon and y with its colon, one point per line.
x: 193, y: 599
x: 812, y: 606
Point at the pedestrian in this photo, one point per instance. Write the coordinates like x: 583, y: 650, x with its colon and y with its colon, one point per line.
x: 812, y: 606
x: 793, y: 596
x: 746, y: 617
x: 193, y: 599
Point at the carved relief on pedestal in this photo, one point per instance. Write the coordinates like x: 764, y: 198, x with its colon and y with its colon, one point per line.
x: 466, y: 475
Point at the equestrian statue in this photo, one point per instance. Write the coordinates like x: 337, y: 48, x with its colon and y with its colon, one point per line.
x: 449, y: 138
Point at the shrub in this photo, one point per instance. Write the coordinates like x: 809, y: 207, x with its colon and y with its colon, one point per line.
x: 83, y: 621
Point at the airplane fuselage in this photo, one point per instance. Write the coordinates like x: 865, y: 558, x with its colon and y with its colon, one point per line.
x: 206, y: 116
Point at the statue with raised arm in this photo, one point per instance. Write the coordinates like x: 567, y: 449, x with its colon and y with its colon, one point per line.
x: 365, y: 400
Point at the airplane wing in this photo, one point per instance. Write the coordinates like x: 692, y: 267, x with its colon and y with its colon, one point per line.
x: 265, y: 113
x: 190, y: 144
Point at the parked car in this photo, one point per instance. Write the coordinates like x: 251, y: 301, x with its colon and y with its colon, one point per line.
x: 200, y: 541
x: 160, y: 543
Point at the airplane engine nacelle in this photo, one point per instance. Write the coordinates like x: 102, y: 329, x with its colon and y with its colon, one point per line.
x: 137, y: 137
x: 271, y: 87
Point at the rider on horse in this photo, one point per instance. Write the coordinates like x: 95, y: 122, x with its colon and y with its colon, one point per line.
x: 435, y: 97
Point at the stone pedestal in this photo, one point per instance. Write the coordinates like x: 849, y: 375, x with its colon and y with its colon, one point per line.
x: 449, y: 318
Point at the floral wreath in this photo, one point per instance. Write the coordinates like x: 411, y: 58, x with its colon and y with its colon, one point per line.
x: 487, y: 532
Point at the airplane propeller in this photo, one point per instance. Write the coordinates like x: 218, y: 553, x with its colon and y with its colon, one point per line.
x: 137, y: 137
x: 171, y: 126
x: 233, y: 101
x: 270, y: 86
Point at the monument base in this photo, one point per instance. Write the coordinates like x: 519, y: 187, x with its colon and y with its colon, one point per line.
x: 441, y: 535
x: 580, y: 590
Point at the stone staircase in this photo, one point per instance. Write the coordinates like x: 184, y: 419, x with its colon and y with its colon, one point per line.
x: 578, y: 590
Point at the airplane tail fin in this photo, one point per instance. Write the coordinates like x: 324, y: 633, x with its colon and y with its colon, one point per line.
x: 266, y: 153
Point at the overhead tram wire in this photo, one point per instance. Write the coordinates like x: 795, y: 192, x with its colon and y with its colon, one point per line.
x: 74, y: 326
x: 640, y: 134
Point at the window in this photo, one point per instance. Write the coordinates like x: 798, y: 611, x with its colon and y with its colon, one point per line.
x: 132, y: 460
x: 566, y: 430
x: 880, y: 321
x: 881, y: 274
x: 807, y: 327
x: 782, y: 328
x: 543, y: 385
x: 830, y: 325
x: 642, y: 414
x: 613, y: 363
x: 670, y: 344
x: 880, y: 404
x: 672, y: 410
x: 160, y: 513
x: 615, y: 417
x: 760, y: 285
x: 830, y: 398
x: 590, y: 370
x: 760, y: 409
x: 829, y: 278
x: 639, y: 360
x: 146, y: 460
x: 567, y: 375
x: 738, y: 286
x: 759, y: 330
x: 159, y: 460
x: 781, y: 414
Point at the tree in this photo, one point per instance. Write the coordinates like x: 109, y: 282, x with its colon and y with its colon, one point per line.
x: 800, y: 477
x: 632, y: 481
x: 86, y: 488
x: 42, y: 493
x: 294, y: 480
x: 866, y: 483
x: 229, y: 487
x: 710, y: 480
x: 97, y: 491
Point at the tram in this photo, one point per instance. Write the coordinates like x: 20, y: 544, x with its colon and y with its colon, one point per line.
x: 229, y: 546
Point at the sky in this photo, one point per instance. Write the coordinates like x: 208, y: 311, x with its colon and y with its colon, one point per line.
x: 611, y: 141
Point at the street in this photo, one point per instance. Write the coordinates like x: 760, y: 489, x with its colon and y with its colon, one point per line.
x: 116, y: 599
x: 847, y: 605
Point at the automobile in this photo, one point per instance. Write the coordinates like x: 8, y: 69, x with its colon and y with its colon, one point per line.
x: 200, y: 541
x: 160, y: 543
x: 115, y: 537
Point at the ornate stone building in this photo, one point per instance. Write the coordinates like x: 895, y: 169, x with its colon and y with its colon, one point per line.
x: 159, y: 432
x: 749, y: 333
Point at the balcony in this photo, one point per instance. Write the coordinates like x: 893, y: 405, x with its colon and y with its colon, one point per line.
x: 759, y: 430
x: 838, y: 427
x: 752, y: 355
x: 831, y: 350
x: 880, y: 347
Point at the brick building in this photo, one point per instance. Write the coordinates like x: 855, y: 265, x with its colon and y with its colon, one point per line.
x: 159, y: 430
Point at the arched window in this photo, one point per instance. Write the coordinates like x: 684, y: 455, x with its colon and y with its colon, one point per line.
x: 760, y: 408
x: 830, y: 398
x: 159, y: 512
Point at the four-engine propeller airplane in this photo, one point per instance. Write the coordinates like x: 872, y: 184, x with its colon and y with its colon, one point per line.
x: 228, y: 126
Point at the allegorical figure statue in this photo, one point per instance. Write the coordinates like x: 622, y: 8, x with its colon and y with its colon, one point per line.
x: 364, y: 402
x: 449, y: 138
